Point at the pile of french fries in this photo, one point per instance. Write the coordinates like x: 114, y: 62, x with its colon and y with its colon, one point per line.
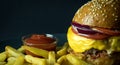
x: 12, y: 56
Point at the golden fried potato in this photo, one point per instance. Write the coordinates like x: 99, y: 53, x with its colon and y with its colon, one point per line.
x: 51, y: 58
x: 19, y: 60
x: 10, y: 61
x: 36, y: 51
x: 35, y: 60
x: 26, y: 63
x: 2, y: 63
x: 63, y: 60
x: 56, y: 64
x: 17, y: 57
x: 3, y: 56
x: 63, y: 50
x: 21, y: 49
x: 13, y: 52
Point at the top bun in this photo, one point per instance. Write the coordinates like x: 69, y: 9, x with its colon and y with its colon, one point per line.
x: 99, y: 13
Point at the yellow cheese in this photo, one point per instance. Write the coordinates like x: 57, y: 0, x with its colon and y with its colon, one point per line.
x: 81, y: 44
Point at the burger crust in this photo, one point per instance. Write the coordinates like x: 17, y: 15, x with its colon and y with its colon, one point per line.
x: 99, y: 13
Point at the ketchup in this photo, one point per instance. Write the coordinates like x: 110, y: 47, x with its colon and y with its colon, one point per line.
x: 46, y: 42
x: 41, y: 41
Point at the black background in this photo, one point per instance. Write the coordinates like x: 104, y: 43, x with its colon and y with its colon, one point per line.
x: 21, y: 17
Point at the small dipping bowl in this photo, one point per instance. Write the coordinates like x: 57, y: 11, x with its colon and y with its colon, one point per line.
x: 43, y: 41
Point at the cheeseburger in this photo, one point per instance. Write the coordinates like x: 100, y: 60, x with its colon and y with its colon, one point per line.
x: 94, y: 34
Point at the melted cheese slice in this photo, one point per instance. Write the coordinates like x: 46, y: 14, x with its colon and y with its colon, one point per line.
x: 81, y: 44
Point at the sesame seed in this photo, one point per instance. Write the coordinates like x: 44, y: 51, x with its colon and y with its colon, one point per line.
x: 106, y: 0
x: 85, y: 14
x: 106, y: 16
x: 102, y: 2
x: 90, y: 13
x: 104, y: 10
x: 75, y: 19
x: 103, y: 19
x: 113, y: 14
x: 93, y: 10
x: 101, y: 11
x: 97, y: 14
x: 115, y: 8
x: 82, y: 19
x: 116, y: 19
x: 103, y: 14
x: 92, y: 6
x: 109, y: 1
x: 112, y: 5
x: 98, y: 8
x: 93, y: 13
x: 116, y: 16
x: 104, y: 5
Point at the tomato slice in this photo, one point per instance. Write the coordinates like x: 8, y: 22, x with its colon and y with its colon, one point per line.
x: 107, y: 31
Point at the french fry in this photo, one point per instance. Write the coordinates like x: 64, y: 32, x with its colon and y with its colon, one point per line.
x: 13, y: 52
x: 58, y: 48
x: 19, y: 60
x: 2, y: 63
x: 63, y: 50
x: 21, y: 49
x: 63, y: 60
x: 51, y: 58
x: 56, y: 64
x: 10, y: 61
x: 74, y: 60
x: 3, y: 56
x: 17, y: 57
x: 36, y: 51
x: 26, y: 63
x: 35, y: 60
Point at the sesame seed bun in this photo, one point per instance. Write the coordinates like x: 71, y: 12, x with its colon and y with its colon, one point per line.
x: 99, y: 13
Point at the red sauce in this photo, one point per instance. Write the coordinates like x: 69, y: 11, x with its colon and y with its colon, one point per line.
x: 41, y: 41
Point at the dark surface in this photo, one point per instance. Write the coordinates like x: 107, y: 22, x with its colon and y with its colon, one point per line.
x: 21, y: 17
x: 16, y: 42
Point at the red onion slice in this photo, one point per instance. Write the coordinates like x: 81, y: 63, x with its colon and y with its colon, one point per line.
x: 79, y: 25
x: 83, y: 28
x: 88, y: 32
